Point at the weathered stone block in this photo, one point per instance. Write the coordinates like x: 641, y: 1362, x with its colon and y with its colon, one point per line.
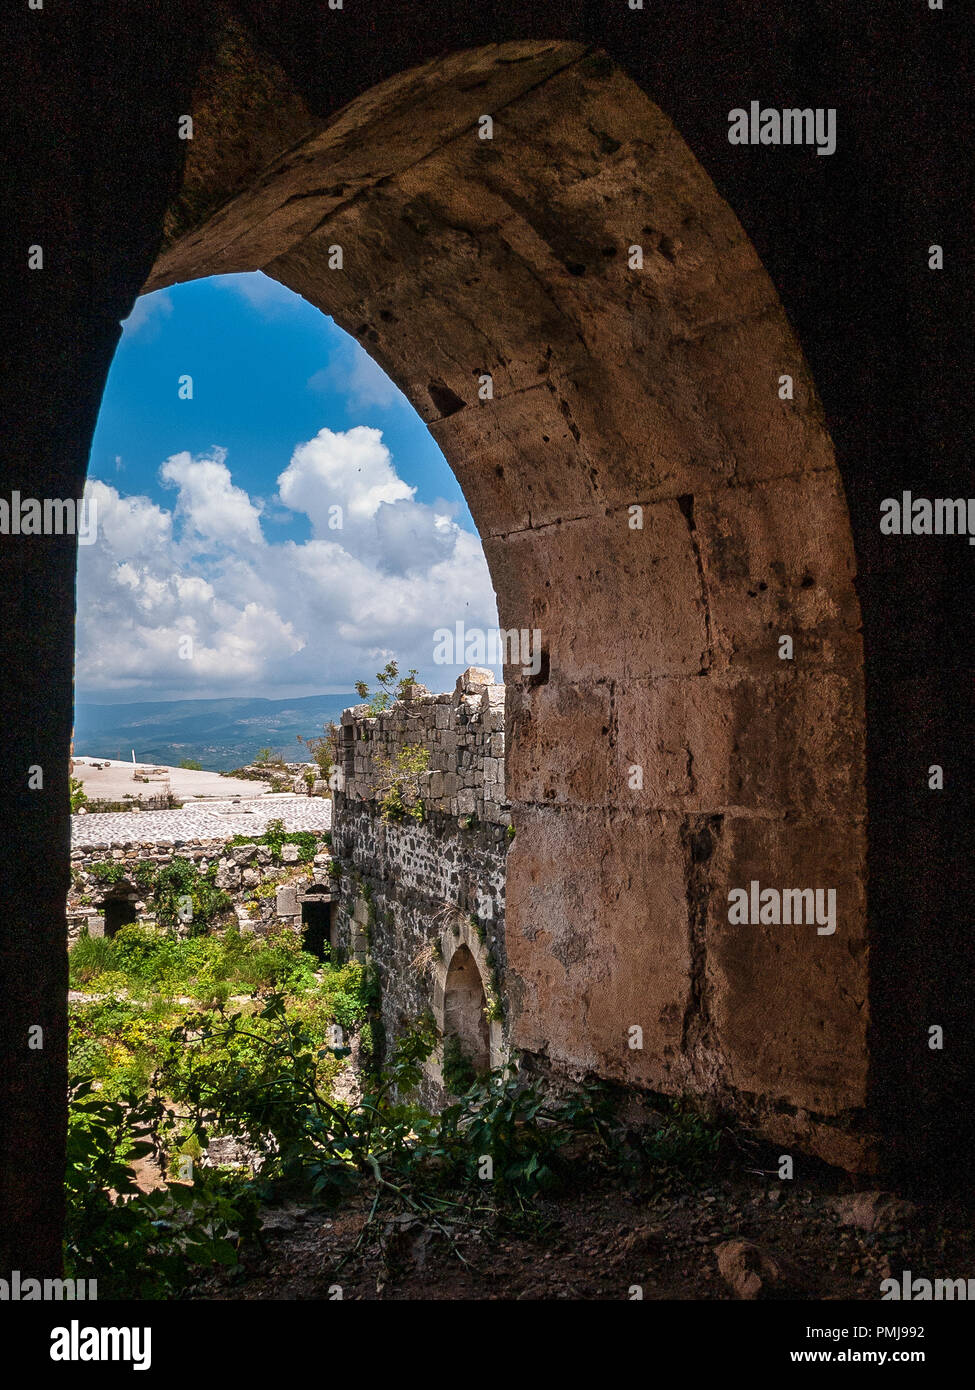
x: 286, y: 901
x: 789, y: 1006
x: 600, y: 942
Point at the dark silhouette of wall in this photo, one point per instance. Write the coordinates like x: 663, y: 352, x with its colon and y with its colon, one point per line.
x: 92, y: 93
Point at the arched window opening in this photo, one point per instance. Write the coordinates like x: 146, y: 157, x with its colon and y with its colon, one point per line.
x: 467, y: 1044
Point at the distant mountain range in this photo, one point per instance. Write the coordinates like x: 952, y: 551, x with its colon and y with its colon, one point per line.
x: 219, y: 734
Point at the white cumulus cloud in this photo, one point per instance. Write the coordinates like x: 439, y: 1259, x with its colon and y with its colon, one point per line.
x: 379, y: 573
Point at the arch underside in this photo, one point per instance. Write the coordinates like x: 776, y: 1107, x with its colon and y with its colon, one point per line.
x: 614, y: 388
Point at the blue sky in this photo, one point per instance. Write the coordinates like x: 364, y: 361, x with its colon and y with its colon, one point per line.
x: 217, y: 514
x: 269, y: 370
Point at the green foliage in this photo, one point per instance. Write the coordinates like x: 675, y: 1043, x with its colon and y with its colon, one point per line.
x: 145, y: 874
x: 264, y: 756
x: 123, y: 1042
x: 493, y: 1007
x: 180, y: 884
x: 324, y: 749
x: 458, y: 1069
x: 76, y: 789
x: 400, y: 784
x: 265, y: 1074
x: 90, y: 956
x: 108, y: 871
x: 191, y: 765
x: 391, y: 687
x: 275, y: 837
x: 141, y: 1244
x: 679, y: 1149
x: 510, y: 832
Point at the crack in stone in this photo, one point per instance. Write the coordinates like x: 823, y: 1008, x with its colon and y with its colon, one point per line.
x: 686, y: 504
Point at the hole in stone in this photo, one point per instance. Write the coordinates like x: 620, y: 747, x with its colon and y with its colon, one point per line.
x: 541, y: 678
x: 447, y: 402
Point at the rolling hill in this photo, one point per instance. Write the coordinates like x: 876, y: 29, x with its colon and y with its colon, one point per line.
x: 219, y: 734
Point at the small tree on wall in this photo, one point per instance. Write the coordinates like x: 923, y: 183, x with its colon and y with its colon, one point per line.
x: 391, y: 687
x: 325, y: 748
x: 398, y: 792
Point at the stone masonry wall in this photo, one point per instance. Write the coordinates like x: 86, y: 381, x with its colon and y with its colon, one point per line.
x: 412, y: 892
x: 112, y: 852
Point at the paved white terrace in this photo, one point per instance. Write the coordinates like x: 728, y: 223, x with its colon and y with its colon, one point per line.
x: 210, y: 820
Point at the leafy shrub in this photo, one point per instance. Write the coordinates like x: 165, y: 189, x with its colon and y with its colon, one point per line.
x: 108, y: 871
x: 325, y: 751
x: 180, y: 887
x: 275, y: 837
x: 391, y: 686
x: 141, y: 1244
x: 145, y: 874
x: 400, y: 783
x: 458, y: 1069
x: 681, y: 1147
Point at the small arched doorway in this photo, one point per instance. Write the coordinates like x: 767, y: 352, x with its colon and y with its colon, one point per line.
x: 119, y: 909
x: 465, y: 1026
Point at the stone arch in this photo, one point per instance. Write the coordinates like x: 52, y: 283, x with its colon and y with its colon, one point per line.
x: 464, y: 1009
x: 118, y: 907
x: 651, y: 505
x: 462, y: 978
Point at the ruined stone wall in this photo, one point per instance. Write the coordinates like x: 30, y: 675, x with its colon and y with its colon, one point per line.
x: 414, y: 891
x: 101, y: 873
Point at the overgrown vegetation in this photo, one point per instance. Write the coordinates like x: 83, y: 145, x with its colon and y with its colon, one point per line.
x: 275, y: 837
x: 155, y: 1079
x: 182, y: 893
x: 399, y: 785
x: 325, y: 750
x: 458, y: 1069
x: 76, y: 789
x: 147, y: 1060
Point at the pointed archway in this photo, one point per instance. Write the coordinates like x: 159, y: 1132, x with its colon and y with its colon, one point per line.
x: 593, y: 342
